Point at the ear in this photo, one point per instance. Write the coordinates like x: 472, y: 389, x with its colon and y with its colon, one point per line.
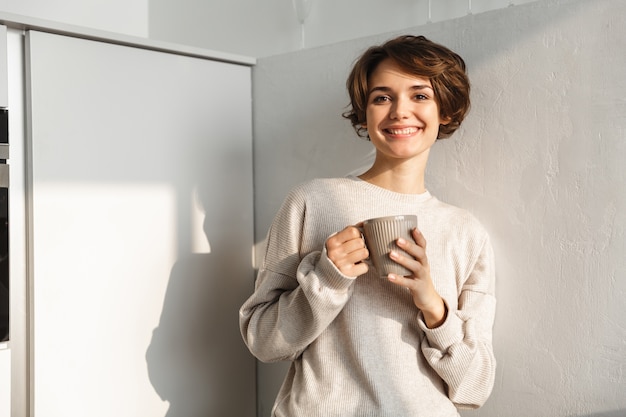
x: 444, y: 120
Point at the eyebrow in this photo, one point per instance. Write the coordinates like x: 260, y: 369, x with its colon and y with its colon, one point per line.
x: 415, y: 88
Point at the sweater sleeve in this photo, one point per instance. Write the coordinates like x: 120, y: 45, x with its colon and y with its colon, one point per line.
x: 296, y: 295
x: 461, y: 350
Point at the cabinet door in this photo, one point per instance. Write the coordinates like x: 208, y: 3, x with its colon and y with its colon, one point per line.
x: 5, y: 380
x: 4, y: 87
x: 142, y: 234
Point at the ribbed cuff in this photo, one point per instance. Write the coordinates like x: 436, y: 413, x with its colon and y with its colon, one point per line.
x: 446, y: 335
x: 330, y: 274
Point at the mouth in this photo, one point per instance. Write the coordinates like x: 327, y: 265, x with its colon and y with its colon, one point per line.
x: 401, y: 131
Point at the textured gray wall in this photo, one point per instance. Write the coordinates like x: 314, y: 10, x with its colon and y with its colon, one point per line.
x: 540, y: 160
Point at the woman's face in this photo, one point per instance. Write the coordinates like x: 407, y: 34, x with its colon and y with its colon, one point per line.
x: 402, y: 115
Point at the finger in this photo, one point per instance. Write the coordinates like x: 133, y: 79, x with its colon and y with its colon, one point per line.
x: 409, y: 283
x: 354, y: 245
x: 355, y: 270
x: 345, y: 235
x: 353, y: 232
x: 416, y: 249
x: 339, y: 238
x: 348, y: 238
x: 419, y: 238
x: 347, y: 248
x: 412, y: 264
x: 410, y: 248
x: 356, y: 256
x: 348, y: 252
x: 400, y: 280
x: 351, y: 263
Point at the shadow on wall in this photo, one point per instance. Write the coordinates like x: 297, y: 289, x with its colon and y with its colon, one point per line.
x: 197, y: 360
x: 616, y: 413
x: 191, y: 356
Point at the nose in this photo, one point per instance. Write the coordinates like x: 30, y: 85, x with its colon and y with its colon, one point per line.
x: 399, y: 109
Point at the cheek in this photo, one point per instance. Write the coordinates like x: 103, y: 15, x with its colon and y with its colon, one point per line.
x: 374, y: 114
x: 436, y: 116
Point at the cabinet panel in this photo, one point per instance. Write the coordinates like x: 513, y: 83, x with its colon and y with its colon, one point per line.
x: 142, y: 231
x: 5, y: 380
x: 4, y: 78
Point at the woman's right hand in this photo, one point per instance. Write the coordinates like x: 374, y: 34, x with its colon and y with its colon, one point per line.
x: 346, y: 249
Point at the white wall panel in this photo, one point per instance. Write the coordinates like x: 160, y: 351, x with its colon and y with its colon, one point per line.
x: 131, y: 315
x: 17, y: 227
x: 4, y: 69
x: 5, y: 380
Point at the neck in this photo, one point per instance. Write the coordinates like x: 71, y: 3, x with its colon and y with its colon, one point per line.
x: 406, y: 177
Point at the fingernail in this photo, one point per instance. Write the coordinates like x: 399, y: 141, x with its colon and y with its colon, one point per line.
x: 401, y: 241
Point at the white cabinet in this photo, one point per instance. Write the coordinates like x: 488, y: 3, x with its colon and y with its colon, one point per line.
x: 142, y: 231
x: 4, y: 82
x: 5, y: 380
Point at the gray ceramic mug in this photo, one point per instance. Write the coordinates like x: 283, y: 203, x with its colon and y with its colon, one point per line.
x: 381, y: 234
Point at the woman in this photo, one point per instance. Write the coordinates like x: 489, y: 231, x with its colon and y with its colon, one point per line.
x: 415, y: 345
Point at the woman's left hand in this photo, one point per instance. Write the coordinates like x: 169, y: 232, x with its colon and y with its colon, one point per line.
x: 420, y: 283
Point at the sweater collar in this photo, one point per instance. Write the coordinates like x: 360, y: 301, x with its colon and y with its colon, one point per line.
x: 385, y: 193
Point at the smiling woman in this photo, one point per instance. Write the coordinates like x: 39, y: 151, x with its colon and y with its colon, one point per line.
x: 418, y: 344
x: 402, y: 117
x: 417, y: 57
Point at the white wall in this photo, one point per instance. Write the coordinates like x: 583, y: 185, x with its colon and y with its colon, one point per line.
x: 263, y: 28
x: 540, y: 160
x: 249, y: 27
x: 129, y: 17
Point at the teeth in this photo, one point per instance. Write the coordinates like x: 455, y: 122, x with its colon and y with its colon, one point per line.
x: 405, y: 131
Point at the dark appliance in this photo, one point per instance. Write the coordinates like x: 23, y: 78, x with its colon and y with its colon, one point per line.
x: 4, y: 225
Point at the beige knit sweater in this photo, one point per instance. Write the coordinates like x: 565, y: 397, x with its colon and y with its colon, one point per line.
x: 359, y: 347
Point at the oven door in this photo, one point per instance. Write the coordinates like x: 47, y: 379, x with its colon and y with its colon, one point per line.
x: 4, y: 225
x: 4, y: 252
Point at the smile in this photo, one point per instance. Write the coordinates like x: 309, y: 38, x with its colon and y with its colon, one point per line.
x: 403, y: 131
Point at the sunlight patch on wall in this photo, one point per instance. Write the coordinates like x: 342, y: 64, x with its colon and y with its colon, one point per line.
x: 199, y: 239
x: 100, y: 246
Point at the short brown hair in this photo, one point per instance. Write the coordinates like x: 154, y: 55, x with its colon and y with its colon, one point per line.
x: 420, y: 57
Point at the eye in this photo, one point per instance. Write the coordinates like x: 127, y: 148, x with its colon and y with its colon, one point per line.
x: 381, y: 99
x: 421, y: 97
